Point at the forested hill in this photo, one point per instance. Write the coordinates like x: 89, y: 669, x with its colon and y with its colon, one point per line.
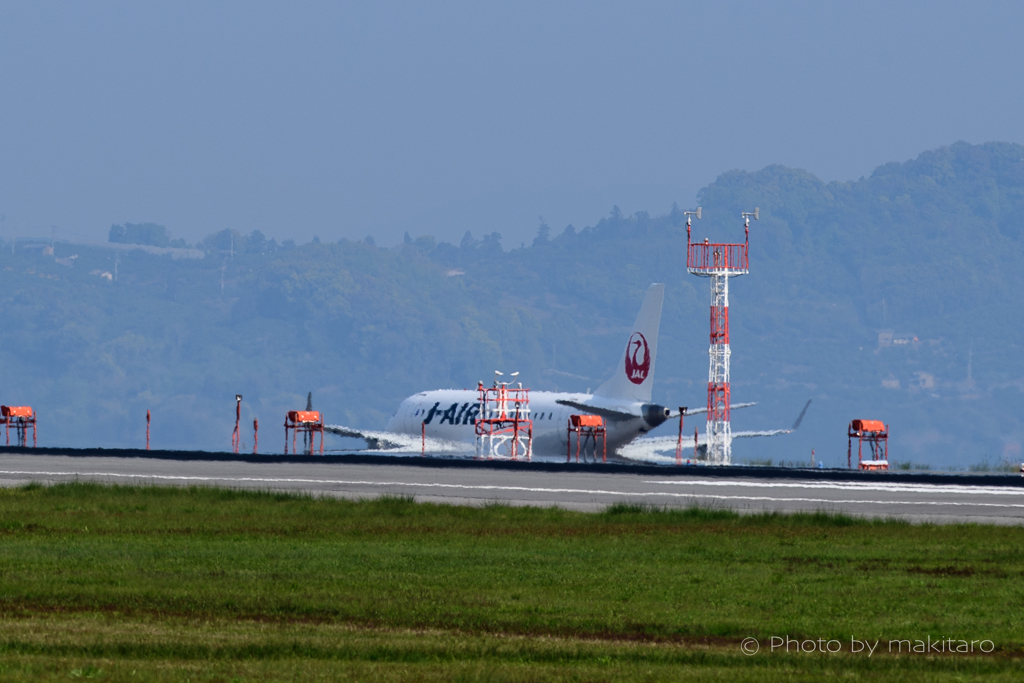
x: 894, y: 297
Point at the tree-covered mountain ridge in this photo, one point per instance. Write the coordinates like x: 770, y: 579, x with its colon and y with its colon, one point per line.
x: 895, y: 296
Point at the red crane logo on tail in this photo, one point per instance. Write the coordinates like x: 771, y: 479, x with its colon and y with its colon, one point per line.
x: 638, y: 359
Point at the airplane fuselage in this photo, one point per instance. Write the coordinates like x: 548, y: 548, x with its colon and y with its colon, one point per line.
x: 450, y: 414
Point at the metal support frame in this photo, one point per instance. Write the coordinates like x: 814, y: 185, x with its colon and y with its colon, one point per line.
x: 876, y: 435
x: 21, y: 418
x: 309, y: 423
x: 587, y: 428
x: 719, y: 424
x: 504, y: 428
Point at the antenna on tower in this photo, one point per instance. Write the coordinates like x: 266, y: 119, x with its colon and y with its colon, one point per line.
x: 688, y: 214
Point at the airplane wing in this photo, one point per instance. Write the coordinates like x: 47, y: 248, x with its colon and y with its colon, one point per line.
x: 663, y: 448
x: 613, y: 414
x: 657, y: 448
x: 597, y: 410
x: 401, y: 443
x: 375, y: 441
x: 664, y: 443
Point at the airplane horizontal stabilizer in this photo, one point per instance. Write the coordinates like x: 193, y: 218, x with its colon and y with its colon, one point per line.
x: 698, y: 411
x: 769, y: 432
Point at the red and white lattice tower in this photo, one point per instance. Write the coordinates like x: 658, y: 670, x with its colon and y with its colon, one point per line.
x: 719, y: 262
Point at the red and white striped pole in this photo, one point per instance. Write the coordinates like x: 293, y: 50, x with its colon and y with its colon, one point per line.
x: 235, y: 438
x: 679, y: 444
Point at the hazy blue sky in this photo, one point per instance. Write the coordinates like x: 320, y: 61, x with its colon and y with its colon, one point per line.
x: 349, y: 119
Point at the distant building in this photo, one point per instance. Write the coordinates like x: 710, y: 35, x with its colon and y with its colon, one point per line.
x: 887, y: 338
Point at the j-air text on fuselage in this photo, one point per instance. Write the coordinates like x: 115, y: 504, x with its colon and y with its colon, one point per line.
x: 445, y: 419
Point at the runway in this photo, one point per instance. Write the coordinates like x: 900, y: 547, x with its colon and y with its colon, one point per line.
x: 589, y: 490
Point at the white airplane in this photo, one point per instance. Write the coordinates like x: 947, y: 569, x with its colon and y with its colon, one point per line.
x: 444, y: 421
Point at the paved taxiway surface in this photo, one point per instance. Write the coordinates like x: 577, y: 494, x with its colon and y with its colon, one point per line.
x: 942, y: 503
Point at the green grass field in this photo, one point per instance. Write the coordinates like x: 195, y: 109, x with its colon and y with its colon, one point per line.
x: 121, y: 583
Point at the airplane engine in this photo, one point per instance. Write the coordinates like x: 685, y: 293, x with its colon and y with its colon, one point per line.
x: 654, y: 414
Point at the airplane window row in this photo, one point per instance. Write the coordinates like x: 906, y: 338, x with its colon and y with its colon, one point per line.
x: 550, y: 416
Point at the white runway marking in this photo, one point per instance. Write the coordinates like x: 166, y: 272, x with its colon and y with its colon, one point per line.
x: 526, y: 489
x: 854, y: 486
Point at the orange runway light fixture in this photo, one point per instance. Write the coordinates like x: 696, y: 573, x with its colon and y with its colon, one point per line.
x: 875, y: 434
x: 308, y: 422
x: 21, y: 419
x: 587, y: 428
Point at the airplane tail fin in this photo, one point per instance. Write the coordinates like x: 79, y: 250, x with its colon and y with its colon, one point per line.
x: 634, y: 375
